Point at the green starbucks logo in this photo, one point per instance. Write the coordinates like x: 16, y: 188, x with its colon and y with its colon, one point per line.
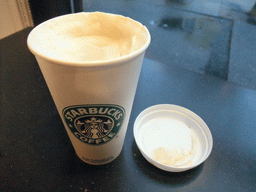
x: 94, y: 124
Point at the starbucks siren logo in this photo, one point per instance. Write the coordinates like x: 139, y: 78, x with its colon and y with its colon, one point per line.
x: 94, y: 124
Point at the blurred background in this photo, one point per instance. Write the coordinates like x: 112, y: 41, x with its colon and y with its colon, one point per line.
x: 210, y: 37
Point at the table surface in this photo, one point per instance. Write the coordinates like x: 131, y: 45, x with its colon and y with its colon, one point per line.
x: 36, y: 154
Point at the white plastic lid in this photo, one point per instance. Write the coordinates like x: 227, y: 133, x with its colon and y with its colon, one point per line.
x: 172, y: 138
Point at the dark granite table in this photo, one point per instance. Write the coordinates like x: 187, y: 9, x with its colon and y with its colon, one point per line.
x: 36, y: 154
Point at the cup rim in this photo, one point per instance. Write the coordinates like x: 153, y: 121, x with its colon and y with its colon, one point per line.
x: 88, y: 64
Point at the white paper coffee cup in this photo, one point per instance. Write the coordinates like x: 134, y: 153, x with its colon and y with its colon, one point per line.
x: 94, y: 98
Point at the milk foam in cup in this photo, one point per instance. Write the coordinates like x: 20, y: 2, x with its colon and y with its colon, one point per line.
x: 91, y: 63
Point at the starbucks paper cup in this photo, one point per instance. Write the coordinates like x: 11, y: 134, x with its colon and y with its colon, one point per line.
x: 93, y: 92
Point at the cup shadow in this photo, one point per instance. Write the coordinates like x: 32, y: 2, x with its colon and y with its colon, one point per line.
x: 75, y: 166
